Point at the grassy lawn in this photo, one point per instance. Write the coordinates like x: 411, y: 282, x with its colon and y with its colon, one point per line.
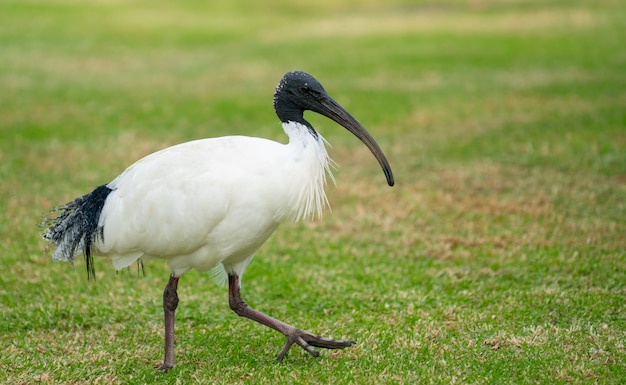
x: 499, y: 256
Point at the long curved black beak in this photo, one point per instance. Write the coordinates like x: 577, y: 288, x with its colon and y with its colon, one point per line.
x: 333, y: 110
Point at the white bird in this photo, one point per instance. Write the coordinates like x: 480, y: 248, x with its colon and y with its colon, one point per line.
x: 211, y: 203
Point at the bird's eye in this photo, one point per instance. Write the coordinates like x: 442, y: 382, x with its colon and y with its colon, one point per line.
x: 310, y: 91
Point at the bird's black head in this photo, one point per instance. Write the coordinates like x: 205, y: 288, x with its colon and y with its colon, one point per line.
x: 298, y: 91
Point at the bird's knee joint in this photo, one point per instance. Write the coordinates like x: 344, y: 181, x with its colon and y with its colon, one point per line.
x: 239, y: 307
x: 170, y: 300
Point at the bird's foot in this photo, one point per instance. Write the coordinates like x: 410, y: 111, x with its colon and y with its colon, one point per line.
x: 163, y: 368
x: 307, y: 341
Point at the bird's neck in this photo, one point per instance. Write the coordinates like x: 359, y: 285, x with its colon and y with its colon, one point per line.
x: 312, y: 164
x: 290, y: 113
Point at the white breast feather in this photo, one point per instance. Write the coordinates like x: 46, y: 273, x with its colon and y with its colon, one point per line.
x: 313, y: 164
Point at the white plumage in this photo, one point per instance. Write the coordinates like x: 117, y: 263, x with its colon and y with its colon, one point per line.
x: 211, y: 203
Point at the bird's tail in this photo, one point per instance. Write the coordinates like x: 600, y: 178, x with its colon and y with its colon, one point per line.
x: 73, y: 227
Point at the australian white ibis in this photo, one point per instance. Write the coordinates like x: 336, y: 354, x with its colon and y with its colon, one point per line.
x: 211, y: 203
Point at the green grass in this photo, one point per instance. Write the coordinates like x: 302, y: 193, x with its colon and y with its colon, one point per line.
x: 499, y: 256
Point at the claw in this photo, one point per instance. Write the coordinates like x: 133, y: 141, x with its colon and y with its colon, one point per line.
x: 284, y: 350
x: 307, y: 340
x: 163, y: 368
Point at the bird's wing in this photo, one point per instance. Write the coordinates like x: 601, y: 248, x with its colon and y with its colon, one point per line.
x: 169, y: 203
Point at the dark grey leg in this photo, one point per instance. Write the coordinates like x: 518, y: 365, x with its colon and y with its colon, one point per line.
x: 170, y: 302
x: 306, y: 340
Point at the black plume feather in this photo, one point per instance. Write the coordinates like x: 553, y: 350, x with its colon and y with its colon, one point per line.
x: 75, y: 228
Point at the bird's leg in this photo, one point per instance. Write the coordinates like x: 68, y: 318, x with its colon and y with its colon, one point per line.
x: 306, y: 340
x: 170, y: 302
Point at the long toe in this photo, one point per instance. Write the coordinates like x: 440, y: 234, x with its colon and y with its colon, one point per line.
x: 308, y: 340
x: 328, y: 343
x: 163, y: 368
